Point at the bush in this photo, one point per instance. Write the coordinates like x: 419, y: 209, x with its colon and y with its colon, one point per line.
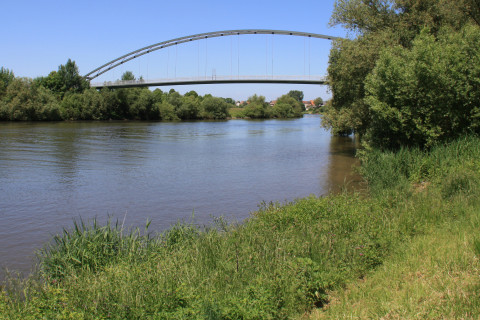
x: 427, y: 94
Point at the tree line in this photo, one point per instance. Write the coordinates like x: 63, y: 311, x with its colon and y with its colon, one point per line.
x: 66, y: 95
x: 409, y: 75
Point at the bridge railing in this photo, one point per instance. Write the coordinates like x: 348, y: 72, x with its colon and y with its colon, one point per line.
x: 213, y: 78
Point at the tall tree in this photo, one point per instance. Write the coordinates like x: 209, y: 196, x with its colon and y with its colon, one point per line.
x: 127, y: 76
x: 71, y: 78
x: 6, y: 77
x: 296, y: 94
x: 376, y: 24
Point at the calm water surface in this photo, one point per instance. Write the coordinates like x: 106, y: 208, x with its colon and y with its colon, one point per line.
x: 52, y: 173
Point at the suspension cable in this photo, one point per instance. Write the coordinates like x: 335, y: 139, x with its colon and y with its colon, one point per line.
x: 304, y: 56
x: 273, y: 34
x: 206, y: 55
x: 309, y: 54
x: 238, y: 56
x: 266, y: 55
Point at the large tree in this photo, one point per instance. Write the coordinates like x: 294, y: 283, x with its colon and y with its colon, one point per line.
x: 6, y: 77
x: 427, y: 94
x: 66, y: 80
x: 376, y: 25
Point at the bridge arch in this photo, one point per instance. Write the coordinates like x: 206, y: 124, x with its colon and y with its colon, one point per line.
x: 201, y: 36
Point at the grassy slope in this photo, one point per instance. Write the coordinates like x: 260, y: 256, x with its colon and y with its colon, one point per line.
x: 435, y: 274
x: 409, y: 250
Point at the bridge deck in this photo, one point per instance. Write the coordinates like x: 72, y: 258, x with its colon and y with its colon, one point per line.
x: 211, y: 80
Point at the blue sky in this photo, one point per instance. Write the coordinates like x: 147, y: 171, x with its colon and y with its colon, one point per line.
x: 38, y: 36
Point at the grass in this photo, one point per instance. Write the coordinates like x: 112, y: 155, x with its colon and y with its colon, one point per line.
x: 435, y: 274
x: 407, y: 250
x: 435, y: 277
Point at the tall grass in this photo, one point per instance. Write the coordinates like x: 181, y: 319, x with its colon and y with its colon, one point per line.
x: 282, y: 262
x: 435, y: 274
x: 92, y: 247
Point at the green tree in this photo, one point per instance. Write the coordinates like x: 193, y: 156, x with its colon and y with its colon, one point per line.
x: 229, y: 100
x: 128, y: 76
x: 142, y: 107
x: 23, y: 101
x: 427, y: 94
x: 214, y: 108
x: 6, y: 77
x: 71, y: 78
x: 256, y: 107
x: 191, y: 93
x: 318, y: 102
x: 112, y: 104
x: 189, y: 108
x: 287, y: 107
x: 377, y: 24
x: 52, y: 82
x: 174, y: 98
x: 66, y: 79
x: 296, y: 94
x: 166, y: 111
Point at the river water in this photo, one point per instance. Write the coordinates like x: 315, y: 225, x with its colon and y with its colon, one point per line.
x: 52, y: 173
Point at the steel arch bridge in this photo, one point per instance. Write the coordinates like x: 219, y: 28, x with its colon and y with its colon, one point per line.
x: 201, y: 36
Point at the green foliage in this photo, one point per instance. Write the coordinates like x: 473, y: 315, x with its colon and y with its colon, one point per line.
x: 127, y: 76
x: 192, y: 93
x: 62, y: 95
x: 379, y: 25
x: 473, y: 9
x: 24, y: 101
x: 363, y: 16
x: 166, y: 111
x: 91, y: 249
x: 214, y: 108
x: 426, y: 94
x: 257, y: 108
x: 434, y: 198
x: 143, y: 106
x: 66, y: 79
x: 287, y: 107
x: 249, y: 271
x: 398, y: 170
x: 187, y: 107
x: 349, y: 63
x: 318, y: 102
x: 296, y: 94
x: 71, y: 78
x: 6, y: 77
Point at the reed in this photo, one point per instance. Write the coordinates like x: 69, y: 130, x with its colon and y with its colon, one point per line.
x: 283, y: 261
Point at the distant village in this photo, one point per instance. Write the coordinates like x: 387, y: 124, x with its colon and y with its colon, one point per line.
x: 308, y: 104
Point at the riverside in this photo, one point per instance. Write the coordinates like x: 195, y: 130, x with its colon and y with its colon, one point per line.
x: 408, y: 249
x: 52, y: 173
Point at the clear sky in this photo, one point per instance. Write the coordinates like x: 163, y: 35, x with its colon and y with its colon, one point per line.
x: 37, y: 36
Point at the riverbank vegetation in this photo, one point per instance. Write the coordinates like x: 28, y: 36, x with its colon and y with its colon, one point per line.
x: 410, y: 76
x: 65, y: 95
x: 285, y: 260
x: 405, y: 247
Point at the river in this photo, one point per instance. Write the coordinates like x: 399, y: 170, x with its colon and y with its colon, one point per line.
x: 52, y: 173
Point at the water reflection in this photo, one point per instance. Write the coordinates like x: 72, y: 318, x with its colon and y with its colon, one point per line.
x: 342, y: 174
x: 51, y: 173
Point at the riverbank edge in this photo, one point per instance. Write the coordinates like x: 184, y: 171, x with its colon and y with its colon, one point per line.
x: 326, y: 254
